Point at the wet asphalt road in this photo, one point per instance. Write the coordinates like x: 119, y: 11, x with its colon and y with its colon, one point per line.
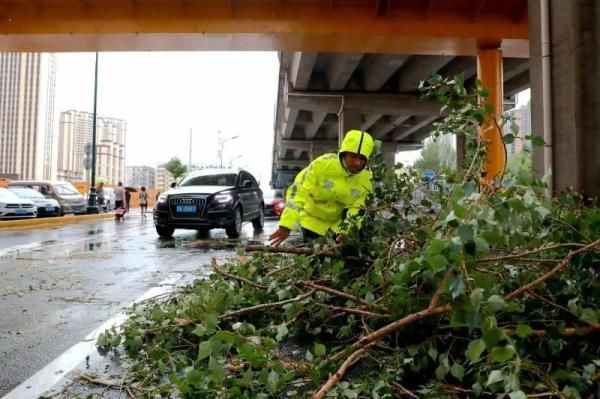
x: 58, y: 284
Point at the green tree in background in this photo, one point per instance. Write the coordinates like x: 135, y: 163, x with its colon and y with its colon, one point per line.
x: 437, y: 155
x: 520, y: 162
x: 175, y: 168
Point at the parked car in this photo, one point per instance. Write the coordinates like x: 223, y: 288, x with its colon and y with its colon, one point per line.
x: 70, y: 200
x: 210, y: 198
x: 274, y: 202
x: 109, y: 198
x: 45, y: 206
x: 13, y: 207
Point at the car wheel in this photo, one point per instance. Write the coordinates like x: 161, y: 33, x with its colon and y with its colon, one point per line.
x: 259, y: 222
x: 165, y: 231
x: 235, y: 229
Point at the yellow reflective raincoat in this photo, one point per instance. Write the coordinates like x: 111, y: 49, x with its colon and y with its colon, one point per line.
x: 325, y: 188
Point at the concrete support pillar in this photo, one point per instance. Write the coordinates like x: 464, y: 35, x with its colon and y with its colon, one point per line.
x: 574, y: 53
x: 349, y: 119
x: 489, y: 71
x: 388, y: 150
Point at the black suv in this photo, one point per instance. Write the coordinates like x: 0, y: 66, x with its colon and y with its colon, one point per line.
x: 211, y: 198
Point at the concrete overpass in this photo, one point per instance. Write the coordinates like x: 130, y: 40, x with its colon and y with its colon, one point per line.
x: 321, y: 93
x: 560, y: 37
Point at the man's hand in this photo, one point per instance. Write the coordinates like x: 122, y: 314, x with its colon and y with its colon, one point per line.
x: 280, y: 235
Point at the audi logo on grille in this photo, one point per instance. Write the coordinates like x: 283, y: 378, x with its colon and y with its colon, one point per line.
x: 186, y: 201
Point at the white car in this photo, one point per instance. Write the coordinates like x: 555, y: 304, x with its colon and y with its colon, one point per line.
x: 13, y: 207
x: 109, y: 198
x: 45, y: 206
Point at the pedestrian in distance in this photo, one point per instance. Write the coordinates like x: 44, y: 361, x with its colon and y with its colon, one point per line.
x: 331, y: 188
x: 127, y: 199
x: 100, y: 197
x: 119, y: 202
x: 143, y: 199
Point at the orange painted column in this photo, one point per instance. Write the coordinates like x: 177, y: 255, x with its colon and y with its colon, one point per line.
x: 489, y: 72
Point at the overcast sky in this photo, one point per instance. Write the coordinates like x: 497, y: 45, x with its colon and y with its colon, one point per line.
x: 163, y: 95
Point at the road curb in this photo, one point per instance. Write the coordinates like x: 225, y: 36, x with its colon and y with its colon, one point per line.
x: 51, y: 221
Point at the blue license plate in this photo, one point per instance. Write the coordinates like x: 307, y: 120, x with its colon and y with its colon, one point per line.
x: 20, y: 211
x: 186, y: 209
x: 49, y: 209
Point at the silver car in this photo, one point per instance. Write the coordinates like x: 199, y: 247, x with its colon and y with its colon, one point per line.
x: 13, y: 207
x: 45, y: 206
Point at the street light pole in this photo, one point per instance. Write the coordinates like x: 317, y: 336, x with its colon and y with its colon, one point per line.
x: 92, y: 206
x: 221, y: 142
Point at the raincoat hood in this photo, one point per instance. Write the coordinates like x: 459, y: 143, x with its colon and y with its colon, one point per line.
x: 358, y: 142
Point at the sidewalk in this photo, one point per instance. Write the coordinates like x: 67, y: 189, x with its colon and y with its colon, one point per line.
x: 61, y: 220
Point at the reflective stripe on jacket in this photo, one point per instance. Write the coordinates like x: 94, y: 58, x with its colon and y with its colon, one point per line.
x: 321, y: 192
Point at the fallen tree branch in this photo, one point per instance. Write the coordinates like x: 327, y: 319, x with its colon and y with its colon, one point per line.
x: 438, y: 293
x: 527, y: 253
x: 234, y: 277
x: 355, y: 311
x: 266, y: 305
x: 337, y: 376
x: 557, y: 269
x: 287, y: 250
x: 334, y: 292
x: 403, y: 391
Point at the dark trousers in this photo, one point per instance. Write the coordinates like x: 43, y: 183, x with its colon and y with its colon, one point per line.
x: 309, y: 236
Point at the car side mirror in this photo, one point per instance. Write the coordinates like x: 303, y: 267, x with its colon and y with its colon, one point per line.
x: 173, y: 184
x: 246, y: 184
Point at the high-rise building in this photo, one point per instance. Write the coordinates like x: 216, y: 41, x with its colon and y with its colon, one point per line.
x: 27, y: 141
x: 163, y: 179
x: 521, y: 117
x: 138, y: 176
x: 75, y: 133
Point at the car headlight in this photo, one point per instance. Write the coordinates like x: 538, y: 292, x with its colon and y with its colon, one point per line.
x: 221, y: 198
x: 2, y: 205
x: 162, y: 198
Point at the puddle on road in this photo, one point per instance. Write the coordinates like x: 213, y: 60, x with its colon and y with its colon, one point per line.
x: 95, y: 232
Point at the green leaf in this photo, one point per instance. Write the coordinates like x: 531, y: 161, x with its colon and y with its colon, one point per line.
x: 523, y: 330
x: 320, y: 350
x: 204, y: 350
x: 517, y: 395
x: 210, y: 321
x: 273, y: 381
x: 217, y: 371
x: 476, y: 297
x: 495, y: 303
x: 474, y: 350
x: 440, y: 372
x: 282, y: 331
x: 502, y: 354
x: 457, y: 371
x: 465, y: 232
x: 508, y: 138
x: 494, y: 377
x: 437, y: 262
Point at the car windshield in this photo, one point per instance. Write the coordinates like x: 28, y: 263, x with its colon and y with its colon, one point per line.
x: 223, y: 179
x: 65, y: 189
x: 7, y: 194
x: 26, y: 192
x: 272, y: 194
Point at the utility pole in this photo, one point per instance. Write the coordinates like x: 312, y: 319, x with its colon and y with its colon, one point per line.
x: 190, y: 158
x: 92, y: 206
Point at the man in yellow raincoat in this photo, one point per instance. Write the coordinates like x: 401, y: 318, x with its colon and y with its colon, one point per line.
x: 332, y: 187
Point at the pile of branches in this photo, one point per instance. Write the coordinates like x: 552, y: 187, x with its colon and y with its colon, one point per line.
x: 496, y: 294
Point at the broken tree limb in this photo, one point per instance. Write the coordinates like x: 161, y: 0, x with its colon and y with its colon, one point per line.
x: 557, y: 269
x: 234, y: 277
x: 266, y: 305
x: 334, y: 292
